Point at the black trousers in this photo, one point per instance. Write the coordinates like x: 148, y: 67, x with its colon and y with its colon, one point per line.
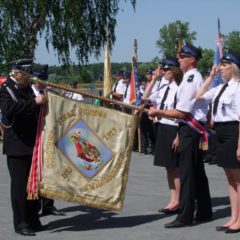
x: 147, y: 132
x: 25, y: 212
x: 46, y: 204
x: 194, y: 189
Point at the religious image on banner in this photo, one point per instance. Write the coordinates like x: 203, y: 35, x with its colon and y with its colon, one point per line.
x: 84, y: 149
x: 82, y: 154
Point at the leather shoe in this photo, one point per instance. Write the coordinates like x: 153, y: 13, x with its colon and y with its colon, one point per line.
x: 175, y: 224
x: 163, y: 210
x: 229, y: 230
x: 221, y: 228
x: 25, y: 232
x: 52, y: 211
x: 203, y: 219
x: 40, y: 228
x: 168, y: 211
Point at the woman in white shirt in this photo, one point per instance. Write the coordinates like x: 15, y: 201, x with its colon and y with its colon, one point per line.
x: 167, y: 137
x: 225, y: 100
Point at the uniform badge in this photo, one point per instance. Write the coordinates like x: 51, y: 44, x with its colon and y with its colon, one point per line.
x: 190, y: 78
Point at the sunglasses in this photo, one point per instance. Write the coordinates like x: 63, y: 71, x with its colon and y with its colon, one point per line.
x: 166, y: 69
x: 184, y: 56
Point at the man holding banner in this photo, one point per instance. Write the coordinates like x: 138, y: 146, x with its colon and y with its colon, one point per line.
x: 20, y: 110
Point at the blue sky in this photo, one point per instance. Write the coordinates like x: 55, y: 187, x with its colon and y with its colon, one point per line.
x: 151, y: 15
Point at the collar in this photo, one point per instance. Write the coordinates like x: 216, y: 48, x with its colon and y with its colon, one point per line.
x: 231, y: 82
x: 191, y: 71
x: 172, y: 84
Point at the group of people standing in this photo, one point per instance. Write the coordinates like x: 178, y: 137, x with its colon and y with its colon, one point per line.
x: 190, y: 106
x: 180, y: 102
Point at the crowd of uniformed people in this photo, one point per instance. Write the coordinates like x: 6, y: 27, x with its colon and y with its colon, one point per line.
x: 185, y: 116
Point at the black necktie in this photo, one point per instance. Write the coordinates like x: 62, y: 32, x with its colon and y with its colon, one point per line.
x: 125, y: 94
x: 115, y: 87
x: 215, y: 103
x: 175, y: 101
x: 164, y: 98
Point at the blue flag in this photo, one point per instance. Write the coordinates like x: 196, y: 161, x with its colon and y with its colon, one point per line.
x: 217, y: 57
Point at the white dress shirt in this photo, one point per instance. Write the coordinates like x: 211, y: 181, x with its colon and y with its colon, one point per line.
x: 120, y: 89
x: 168, y: 103
x: 37, y: 92
x: 229, y: 102
x: 186, y: 96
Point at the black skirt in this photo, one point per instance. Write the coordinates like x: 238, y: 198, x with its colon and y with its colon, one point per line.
x: 227, y: 143
x: 164, y: 154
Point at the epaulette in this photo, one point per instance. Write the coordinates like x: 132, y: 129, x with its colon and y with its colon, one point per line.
x: 190, y: 78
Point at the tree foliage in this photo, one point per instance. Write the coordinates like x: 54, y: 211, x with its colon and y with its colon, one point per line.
x: 65, y: 24
x: 206, y: 61
x: 232, y: 41
x: 171, y: 34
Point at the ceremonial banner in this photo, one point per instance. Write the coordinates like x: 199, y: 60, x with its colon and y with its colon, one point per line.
x: 86, y: 153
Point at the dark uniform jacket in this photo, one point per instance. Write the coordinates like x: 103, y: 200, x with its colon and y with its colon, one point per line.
x: 21, y: 111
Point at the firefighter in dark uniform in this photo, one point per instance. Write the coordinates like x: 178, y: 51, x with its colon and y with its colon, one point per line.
x: 194, y: 188
x: 20, y: 107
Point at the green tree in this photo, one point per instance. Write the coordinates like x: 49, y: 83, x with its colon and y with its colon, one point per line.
x: 66, y: 24
x: 170, y: 35
x: 232, y: 41
x: 206, y: 61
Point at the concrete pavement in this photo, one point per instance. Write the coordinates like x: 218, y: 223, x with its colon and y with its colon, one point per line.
x: 147, y: 192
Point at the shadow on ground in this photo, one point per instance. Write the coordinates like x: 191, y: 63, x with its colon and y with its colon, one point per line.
x: 91, y: 218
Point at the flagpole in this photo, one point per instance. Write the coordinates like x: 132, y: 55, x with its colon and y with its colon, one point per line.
x: 107, y: 82
x: 135, y: 45
x: 180, y: 43
x: 91, y: 95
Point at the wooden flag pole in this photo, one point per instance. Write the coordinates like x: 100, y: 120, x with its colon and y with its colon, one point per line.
x: 85, y: 94
x: 138, y: 123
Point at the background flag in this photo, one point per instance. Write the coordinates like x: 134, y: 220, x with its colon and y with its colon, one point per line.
x: 107, y: 83
x: 135, y: 94
x: 217, y: 57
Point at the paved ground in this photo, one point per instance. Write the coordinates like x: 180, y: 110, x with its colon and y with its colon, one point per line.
x: 146, y: 193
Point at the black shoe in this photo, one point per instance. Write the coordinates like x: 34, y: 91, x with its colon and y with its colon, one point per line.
x: 203, y: 219
x: 229, y: 230
x: 214, y: 161
x: 150, y: 151
x: 168, y: 211
x: 40, y: 228
x: 52, y: 211
x: 176, y: 224
x: 207, y: 158
x: 163, y: 210
x: 221, y: 228
x: 25, y: 232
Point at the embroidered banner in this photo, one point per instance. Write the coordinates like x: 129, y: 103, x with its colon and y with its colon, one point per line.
x: 86, y: 153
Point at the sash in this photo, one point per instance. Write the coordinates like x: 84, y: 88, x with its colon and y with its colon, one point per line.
x: 194, y: 124
x: 35, y: 175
